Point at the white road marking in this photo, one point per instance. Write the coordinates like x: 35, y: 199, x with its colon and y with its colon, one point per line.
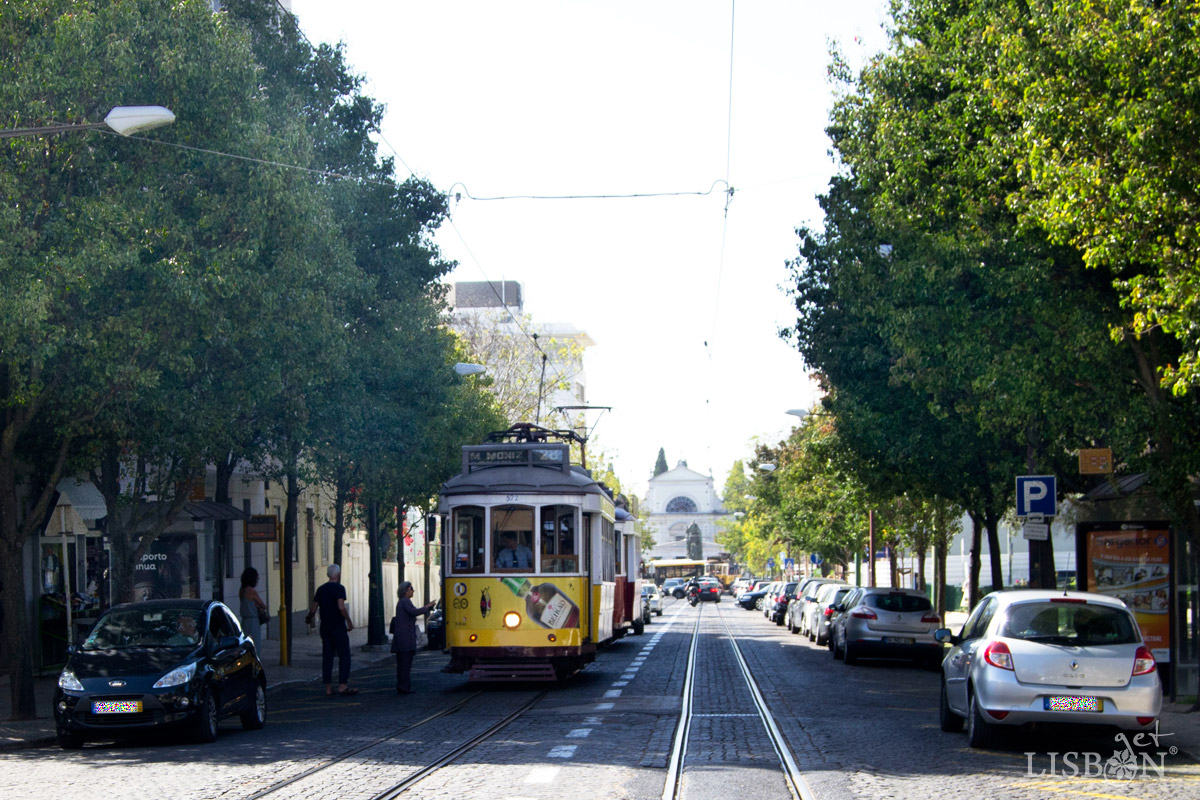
x: 563, y: 751
x: 542, y: 775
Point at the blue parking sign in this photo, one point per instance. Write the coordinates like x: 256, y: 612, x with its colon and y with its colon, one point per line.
x: 1036, y: 496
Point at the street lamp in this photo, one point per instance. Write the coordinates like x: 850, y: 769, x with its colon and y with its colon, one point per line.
x: 125, y: 120
x: 464, y: 369
x: 766, y: 467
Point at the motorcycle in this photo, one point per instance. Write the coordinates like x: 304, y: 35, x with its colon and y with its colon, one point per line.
x: 693, y: 596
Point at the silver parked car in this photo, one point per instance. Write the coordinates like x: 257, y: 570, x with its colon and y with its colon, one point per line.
x: 889, y: 623
x: 801, y: 610
x: 1042, y: 656
x: 654, y: 598
x: 830, y: 595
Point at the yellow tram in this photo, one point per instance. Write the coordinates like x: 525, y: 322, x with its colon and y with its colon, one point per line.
x: 538, y: 572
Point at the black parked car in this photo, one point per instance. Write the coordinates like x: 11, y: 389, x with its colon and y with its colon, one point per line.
x: 435, y: 629
x: 181, y: 664
x: 753, y: 599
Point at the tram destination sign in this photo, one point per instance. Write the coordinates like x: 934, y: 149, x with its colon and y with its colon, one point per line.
x: 519, y: 456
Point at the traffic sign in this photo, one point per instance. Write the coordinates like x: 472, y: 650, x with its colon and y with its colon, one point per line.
x: 770, y: 563
x: 816, y: 558
x: 1036, y: 494
x: 789, y: 563
x: 1036, y: 529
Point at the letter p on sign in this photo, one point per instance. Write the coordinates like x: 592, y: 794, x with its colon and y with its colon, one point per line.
x: 1036, y: 496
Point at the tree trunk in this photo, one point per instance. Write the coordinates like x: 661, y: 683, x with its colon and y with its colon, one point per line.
x: 291, y: 527
x: 375, y: 634
x: 221, y: 495
x: 997, y: 564
x: 976, y: 543
x: 15, y: 646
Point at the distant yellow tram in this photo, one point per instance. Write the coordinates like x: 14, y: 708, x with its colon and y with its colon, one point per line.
x: 540, y: 566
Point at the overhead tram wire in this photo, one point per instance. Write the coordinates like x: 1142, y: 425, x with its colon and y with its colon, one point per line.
x: 710, y: 343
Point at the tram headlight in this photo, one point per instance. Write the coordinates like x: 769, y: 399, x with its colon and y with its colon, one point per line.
x: 511, y: 620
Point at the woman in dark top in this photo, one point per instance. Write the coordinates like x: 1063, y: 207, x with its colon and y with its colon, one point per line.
x: 404, y: 636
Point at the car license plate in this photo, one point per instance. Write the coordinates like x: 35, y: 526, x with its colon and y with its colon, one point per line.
x: 1093, y: 704
x: 898, y: 640
x: 117, y: 707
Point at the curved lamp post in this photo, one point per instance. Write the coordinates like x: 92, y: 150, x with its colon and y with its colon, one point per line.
x: 125, y: 120
x: 464, y: 369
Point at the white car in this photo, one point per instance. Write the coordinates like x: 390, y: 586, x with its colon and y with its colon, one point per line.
x: 653, y: 598
x: 1048, y: 657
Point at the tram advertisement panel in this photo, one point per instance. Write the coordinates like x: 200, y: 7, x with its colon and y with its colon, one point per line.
x: 479, y: 605
x: 1135, y: 567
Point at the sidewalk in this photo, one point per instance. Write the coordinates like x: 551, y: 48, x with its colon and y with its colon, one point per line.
x: 305, y: 668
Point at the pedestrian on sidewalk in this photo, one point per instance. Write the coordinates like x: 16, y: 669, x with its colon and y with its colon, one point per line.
x: 404, y: 636
x: 251, y: 608
x: 336, y: 625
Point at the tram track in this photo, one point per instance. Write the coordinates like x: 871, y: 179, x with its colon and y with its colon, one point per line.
x: 412, y: 776
x: 677, y: 764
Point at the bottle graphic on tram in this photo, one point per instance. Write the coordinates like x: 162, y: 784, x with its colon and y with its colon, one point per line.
x: 545, y: 603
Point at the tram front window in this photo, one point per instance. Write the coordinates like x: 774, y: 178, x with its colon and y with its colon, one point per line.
x: 559, y: 553
x: 512, y: 538
x: 468, y: 539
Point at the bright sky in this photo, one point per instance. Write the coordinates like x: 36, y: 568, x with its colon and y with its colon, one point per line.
x: 621, y: 97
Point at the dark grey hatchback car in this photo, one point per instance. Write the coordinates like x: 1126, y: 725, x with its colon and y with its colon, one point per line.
x: 181, y: 664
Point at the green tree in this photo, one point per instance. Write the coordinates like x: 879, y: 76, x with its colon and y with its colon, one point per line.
x: 660, y: 465
x: 118, y: 254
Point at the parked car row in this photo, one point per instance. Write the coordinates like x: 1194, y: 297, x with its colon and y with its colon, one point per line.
x: 1056, y: 657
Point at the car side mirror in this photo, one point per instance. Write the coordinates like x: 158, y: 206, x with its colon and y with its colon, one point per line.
x: 226, y: 642
x: 70, y: 649
x: 945, y: 635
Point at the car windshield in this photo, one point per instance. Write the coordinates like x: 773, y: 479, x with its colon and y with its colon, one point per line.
x: 898, y: 602
x: 1075, y: 624
x: 140, y: 627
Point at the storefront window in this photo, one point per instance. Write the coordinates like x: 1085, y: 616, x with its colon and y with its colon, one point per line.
x: 169, y: 570
x: 559, y: 543
x: 468, y: 539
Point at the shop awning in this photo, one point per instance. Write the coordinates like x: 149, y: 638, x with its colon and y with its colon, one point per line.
x: 82, y: 496
x: 210, y: 509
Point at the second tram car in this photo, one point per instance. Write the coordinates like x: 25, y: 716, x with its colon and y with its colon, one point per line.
x: 538, y: 573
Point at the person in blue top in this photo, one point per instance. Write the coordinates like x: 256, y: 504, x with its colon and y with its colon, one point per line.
x: 513, y: 555
x: 336, y: 625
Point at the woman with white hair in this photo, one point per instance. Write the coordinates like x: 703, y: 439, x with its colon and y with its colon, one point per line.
x: 404, y: 636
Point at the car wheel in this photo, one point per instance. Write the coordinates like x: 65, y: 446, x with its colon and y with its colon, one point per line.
x: 255, y: 717
x: 837, y: 648
x: 822, y: 641
x: 658, y: 613
x: 205, y: 723
x: 950, y: 722
x: 67, y: 740
x: 980, y: 732
x: 758, y: 604
x: 849, y: 654
x: 812, y: 637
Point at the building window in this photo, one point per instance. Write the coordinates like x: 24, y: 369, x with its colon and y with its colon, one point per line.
x: 681, y: 505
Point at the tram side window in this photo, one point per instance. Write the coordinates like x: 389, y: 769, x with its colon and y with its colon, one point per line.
x: 512, y: 538
x: 468, y: 539
x: 608, y: 555
x: 560, y: 551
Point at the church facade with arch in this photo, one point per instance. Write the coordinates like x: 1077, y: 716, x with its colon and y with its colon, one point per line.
x: 676, y: 500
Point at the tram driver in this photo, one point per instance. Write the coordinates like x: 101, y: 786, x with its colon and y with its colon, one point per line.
x: 513, y: 555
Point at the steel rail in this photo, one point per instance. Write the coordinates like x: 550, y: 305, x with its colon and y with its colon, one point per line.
x: 791, y: 770
x: 275, y: 787
x: 684, y: 725
x: 397, y: 789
